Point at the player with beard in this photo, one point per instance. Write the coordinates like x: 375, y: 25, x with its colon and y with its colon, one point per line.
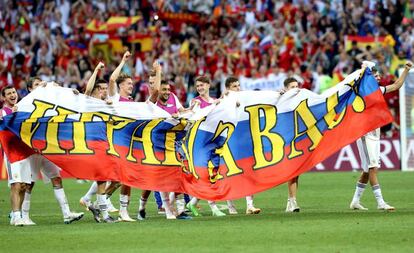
x: 169, y: 102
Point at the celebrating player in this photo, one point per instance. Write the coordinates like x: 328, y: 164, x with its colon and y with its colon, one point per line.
x: 369, y: 151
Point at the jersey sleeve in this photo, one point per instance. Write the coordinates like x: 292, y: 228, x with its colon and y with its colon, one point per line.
x: 115, y: 98
x: 177, y: 102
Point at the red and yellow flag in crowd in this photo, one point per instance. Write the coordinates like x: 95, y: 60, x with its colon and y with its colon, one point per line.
x: 112, y: 24
x: 364, y: 41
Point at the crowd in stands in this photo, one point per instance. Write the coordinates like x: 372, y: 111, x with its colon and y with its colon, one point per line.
x: 216, y: 38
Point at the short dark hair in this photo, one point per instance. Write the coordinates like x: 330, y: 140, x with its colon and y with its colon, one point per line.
x: 8, y: 87
x: 122, y: 77
x: 100, y: 81
x: 288, y: 81
x: 230, y: 80
x: 203, y: 79
x: 30, y: 82
x: 165, y: 82
x: 97, y: 82
x: 374, y: 70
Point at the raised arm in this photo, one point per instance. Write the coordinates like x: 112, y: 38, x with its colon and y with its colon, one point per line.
x: 399, y: 82
x: 115, y: 74
x: 154, y: 89
x: 92, y: 79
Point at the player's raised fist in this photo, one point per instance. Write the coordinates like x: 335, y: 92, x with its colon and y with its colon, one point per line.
x: 126, y: 56
x: 408, y: 64
x: 157, y: 66
x: 101, y: 65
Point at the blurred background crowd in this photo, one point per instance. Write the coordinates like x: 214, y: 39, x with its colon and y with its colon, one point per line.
x: 319, y: 42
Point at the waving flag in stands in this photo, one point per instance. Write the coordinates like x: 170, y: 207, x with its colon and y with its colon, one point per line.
x: 265, y: 43
x: 250, y: 142
x: 112, y: 24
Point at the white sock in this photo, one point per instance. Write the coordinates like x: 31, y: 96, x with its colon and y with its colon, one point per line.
x: 142, y: 203
x: 194, y: 201
x: 108, y: 201
x: 377, y: 193
x: 249, y: 201
x: 103, y: 206
x: 123, y: 203
x: 213, y: 206
x: 26, y: 205
x: 166, y: 202
x: 16, y: 214
x: 62, y: 200
x: 359, y: 190
x: 230, y: 203
x: 91, y: 192
x: 291, y: 199
x: 172, y: 198
x: 180, y: 204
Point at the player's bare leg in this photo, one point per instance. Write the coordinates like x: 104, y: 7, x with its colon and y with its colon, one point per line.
x: 292, y: 205
x: 17, y: 191
x: 123, y: 203
x: 142, y: 204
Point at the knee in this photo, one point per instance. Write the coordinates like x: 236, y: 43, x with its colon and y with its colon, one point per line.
x: 364, y: 177
x: 29, y: 187
x: 57, y: 182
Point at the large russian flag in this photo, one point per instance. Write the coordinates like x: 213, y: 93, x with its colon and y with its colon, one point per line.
x: 251, y: 141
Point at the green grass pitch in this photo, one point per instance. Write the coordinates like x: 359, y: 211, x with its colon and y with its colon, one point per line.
x: 325, y: 223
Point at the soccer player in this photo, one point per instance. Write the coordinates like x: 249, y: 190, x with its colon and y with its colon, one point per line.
x: 123, y: 83
x: 51, y: 171
x: 369, y: 151
x: 292, y: 205
x: 99, y: 90
x: 160, y: 94
x: 202, y: 84
x: 169, y: 102
x: 233, y: 84
x: 19, y: 173
x: 154, y: 83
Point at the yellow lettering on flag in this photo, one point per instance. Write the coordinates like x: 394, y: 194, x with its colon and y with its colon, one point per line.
x: 190, y: 143
x: 116, y: 123
x: 303, y: 111
x: 259, y: 132
x: 332, y: 118
x: 225, y: 151
x: 52, y: 131
x: 80, y: 145
x: 146, y: 141
x: 27, y: 129
x: 170, y: 153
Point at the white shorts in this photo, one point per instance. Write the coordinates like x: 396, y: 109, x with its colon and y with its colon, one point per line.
x: 369, y: 150
x: 19, y: 172
x: 48, y: 169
